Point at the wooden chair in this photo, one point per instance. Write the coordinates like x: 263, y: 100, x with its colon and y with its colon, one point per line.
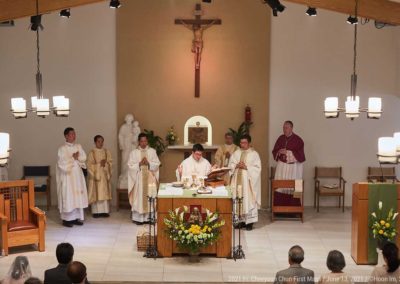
x: 291, y: 209
x: 335, y: 175
x: 21, y: 222
x: 40, y: 172
x: 382, y: 174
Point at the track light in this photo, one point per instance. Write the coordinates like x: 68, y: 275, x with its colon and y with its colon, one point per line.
x: 36, y: 22
x: 276, y: 6
x: 115, y: 4
x: 352, y: 20
x: 66, y: 13
x: 312, y: 12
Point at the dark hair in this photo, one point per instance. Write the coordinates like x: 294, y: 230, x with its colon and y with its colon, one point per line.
x: 335, y: 261
x: 391, y: 252
x: 296, y: 254
x: 33, y: 280
x: 141, y: 135
x: 98, y: 137
x: 229, y: 134
x: 68, y: 130
x: 76, y: 272
x: 64, y: 253
x: 21, y: 264
x: 289, y: 122
x: 197, y: 147
x: 247, y: 137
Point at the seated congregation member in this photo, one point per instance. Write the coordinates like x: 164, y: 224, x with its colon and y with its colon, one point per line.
x: 99, y: 165
x: 195, y: 164
x: 143, y: 170
x: 33, y: 280
x: 19, y: 272
x: 295, y: 273
x: 289, y: 153
x: 224, y: 153
x: 71, y: 184
x: 77, y: 273
x: 245, y: 165
x: 390, y: 271
x: 58, y: 275
x: 335, y: 263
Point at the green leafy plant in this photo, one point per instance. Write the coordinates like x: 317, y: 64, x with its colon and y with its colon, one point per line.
x: 384, y: 227
x: 155, y: 141
x: 243, y: 129
x: 193, y: 236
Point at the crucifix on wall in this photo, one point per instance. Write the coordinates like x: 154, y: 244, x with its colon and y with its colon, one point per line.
x: 197, y: 26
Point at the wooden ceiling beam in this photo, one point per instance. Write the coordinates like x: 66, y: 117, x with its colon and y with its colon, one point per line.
x: 380, y: 10
x: 14, y: 9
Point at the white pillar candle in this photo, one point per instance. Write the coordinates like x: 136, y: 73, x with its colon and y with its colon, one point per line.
x: 374, y: 107
x: 352, y: 107
x: 18, y: 107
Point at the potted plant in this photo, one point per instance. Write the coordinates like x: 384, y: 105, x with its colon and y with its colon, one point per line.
x: 383, y: 227
x: 190, y: 231
x: 243, y: 129
x: 171, y: 137
x: 155, y: 142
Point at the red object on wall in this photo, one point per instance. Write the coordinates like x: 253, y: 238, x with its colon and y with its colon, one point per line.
x: 247, y: 114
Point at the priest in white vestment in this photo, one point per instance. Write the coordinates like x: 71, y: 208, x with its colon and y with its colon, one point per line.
x: 99, y: 164
x: 194, y: 165
x: 224, y: 153
x: 245, y: 167
x: 143, y: 174
x: 71, y: 184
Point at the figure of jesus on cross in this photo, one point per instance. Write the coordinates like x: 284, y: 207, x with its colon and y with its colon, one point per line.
x: 197, y: 26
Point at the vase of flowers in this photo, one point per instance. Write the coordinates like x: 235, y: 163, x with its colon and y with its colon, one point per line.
x: 383, y: 227
x: 171, y: 137
x: 191, y: 231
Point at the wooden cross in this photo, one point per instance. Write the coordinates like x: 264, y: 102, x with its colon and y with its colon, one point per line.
x: 197, y: 26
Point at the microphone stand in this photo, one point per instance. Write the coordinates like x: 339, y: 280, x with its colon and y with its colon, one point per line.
x: 237, y: 251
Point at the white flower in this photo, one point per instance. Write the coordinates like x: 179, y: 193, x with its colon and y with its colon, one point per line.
x: 380, y: 205
x: 395, y: 215
x: 181, y: 215
x: 185, y: 208
x: 373, y: 214
x: 176, y: 211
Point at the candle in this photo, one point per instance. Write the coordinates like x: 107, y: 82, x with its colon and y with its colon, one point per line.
x: 240, y: 191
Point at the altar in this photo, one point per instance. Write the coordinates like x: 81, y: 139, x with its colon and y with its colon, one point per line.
x: 218, y: 201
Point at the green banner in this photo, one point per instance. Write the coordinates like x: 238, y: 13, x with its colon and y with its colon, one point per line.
x: 387, y: 194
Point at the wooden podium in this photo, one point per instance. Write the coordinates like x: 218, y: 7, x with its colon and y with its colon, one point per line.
x: 223, y: 205
x: 359, y: 222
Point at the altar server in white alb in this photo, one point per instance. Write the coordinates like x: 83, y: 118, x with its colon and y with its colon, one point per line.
x: 71, y: 185
x: 195, y: 164
x: 245, y: 167
x: 143, y: 177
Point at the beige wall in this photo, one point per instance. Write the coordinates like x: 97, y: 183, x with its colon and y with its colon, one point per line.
x: 78, y: 61
x: 155, y: 70
x: 311, y: 58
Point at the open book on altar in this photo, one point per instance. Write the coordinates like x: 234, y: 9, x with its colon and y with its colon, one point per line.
x: 218, y: 172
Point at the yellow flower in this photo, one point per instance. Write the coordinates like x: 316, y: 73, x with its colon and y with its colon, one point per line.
x: 387, y: 225
x: 380, y: 232
x: 382, y: 222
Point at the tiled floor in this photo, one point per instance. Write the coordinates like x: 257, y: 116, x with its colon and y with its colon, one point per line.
x: 108, y: 248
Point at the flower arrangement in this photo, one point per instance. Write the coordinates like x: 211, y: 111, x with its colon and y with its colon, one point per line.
x: 384, y: 227
x: 192, y: 233
x: 171, y: 137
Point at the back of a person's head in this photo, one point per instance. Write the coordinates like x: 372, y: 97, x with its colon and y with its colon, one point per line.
x: 64, y: 253
x: 335, y: 261
x: 296, y: 254
x: 76, y: 272
x: 20, y: 267
x: 33, y: 280
x: 391, y: 253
